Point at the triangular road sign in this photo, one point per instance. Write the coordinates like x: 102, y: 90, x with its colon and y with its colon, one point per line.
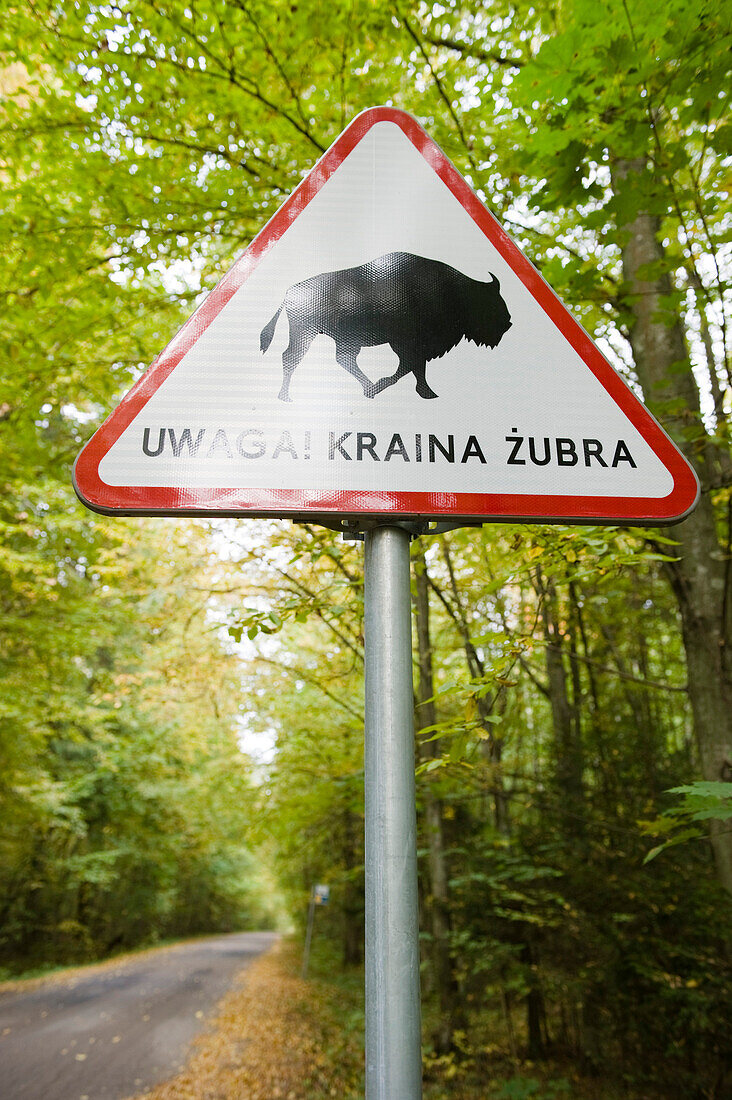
x: 383, y: 349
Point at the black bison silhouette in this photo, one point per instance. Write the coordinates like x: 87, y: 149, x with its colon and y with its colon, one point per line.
x: 421, y: 307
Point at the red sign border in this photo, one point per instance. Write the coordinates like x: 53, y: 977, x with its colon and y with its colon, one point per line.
x: 369, y: 504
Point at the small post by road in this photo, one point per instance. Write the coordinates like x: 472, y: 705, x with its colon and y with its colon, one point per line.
x: 308, y: 934
x: 393, y: 1017
x: 319, y: 895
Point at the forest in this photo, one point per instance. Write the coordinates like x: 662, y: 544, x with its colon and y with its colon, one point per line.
x: 181, y: 700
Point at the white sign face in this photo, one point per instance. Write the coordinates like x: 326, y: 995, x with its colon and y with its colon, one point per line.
x: 321, y: 894
x: 383, y: 349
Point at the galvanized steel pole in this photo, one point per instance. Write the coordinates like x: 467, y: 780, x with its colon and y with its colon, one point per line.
x: 393, y: 1025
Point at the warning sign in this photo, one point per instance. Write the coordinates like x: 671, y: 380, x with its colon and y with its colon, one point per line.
x: 384, y: 349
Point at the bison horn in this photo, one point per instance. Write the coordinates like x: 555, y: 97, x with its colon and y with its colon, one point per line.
x: 494, y: 281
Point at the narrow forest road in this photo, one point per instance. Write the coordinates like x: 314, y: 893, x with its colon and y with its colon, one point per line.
x: 107, y: 1033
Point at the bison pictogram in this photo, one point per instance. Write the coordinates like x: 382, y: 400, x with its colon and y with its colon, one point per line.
x: 421, y: 307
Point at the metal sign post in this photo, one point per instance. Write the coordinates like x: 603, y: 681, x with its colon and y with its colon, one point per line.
x: 393, y: 1020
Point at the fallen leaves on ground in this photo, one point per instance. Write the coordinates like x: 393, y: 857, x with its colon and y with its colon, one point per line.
x: 270, y: 1040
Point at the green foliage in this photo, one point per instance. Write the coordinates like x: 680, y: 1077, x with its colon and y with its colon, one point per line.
x: 700, y: 802
x: 123, y: 808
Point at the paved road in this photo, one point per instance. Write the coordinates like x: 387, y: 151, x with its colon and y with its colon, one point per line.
x: 109, y: 1034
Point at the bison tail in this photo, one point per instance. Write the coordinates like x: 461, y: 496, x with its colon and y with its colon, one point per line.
x: 268, y: 331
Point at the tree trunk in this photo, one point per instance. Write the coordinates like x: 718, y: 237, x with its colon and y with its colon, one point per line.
x: 535, y: 1045
x: 353, y: 905
x: 451, y: 1012
x: 702, y: 576
x: 565, y: 717
x: 491, y: 749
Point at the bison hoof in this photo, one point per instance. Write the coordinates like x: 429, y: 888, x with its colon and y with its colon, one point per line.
x: 427, y: 393
x: 285, y: 397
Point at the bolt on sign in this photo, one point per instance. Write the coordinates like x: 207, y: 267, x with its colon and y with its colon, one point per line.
x: 384, y: 350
